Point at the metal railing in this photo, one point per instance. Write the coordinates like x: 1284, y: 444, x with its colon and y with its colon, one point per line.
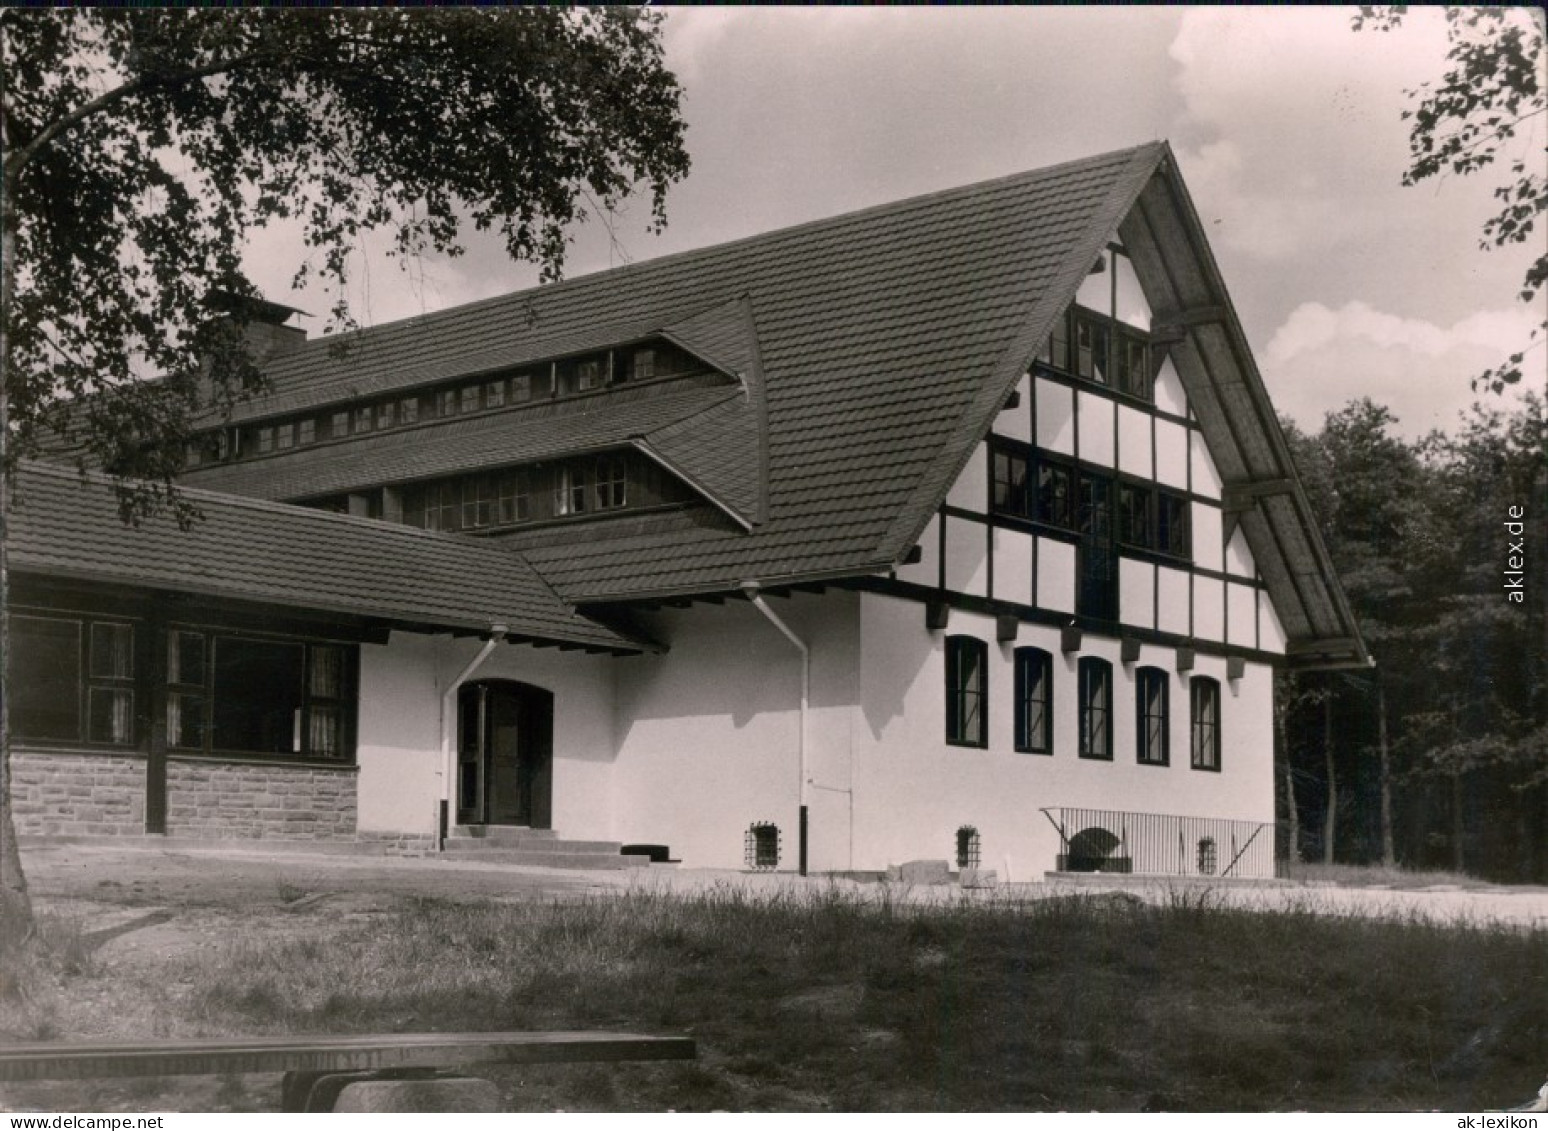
x: 1156, y: 844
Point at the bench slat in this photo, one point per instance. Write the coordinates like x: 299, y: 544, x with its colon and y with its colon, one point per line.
x: 87, y: 1060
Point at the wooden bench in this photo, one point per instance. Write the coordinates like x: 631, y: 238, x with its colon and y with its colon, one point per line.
x: 318, y: 1069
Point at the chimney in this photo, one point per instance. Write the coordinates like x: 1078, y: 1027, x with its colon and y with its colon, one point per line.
x: 267, y: 335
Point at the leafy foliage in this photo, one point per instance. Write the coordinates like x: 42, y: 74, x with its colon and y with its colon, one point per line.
x: 145, y: 147
x: 1491, y: 92
x: 1417, y: 532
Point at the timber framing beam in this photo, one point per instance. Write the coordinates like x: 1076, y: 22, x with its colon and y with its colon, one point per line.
x: 1238, y: 497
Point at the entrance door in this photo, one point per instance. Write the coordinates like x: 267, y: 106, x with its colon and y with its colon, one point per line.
x: 504, y: 754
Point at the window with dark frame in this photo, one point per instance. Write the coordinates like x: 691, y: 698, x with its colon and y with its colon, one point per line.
x: 47, y: 704
x: 762, y: 845
x: 187, y: 681
x: 1096, y: 708
x: 1034, y: 701
x: 967, y: 659
x: 110, y: 683
x: 1204, y: 697
x: 1150, y: 714
x: 1099, y: 347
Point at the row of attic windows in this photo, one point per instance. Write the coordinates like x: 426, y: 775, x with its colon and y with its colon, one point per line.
x: 574, y: 376
x: 612, y: 481
x: 1104, y: 336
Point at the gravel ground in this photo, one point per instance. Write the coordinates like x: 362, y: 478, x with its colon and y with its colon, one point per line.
x: 113, y: 882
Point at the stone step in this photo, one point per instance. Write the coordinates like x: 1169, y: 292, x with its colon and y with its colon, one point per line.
x: 500, y: 832
x: 479, y: 847
x: 540, y: 858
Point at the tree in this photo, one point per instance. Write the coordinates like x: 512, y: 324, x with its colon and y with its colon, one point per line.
x: 1492, y: 90
x: 143, y: 148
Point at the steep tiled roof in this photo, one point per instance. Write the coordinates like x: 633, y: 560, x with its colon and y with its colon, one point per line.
x: 251, y: 551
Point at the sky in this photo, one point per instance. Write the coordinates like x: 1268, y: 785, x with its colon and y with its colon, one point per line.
x: 1286, y: 124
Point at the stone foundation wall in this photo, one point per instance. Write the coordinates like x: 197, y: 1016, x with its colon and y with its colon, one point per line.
x: 237, y: 800
x: 69, y: 794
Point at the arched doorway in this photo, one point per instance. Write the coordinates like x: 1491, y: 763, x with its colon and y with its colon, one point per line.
x: 505, y: 754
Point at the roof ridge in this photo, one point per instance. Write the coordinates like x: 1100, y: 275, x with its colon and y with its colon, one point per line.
x: 867, y: 212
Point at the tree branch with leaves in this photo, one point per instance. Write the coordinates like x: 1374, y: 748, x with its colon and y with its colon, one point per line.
x: 1489, y: 108
x: 144, y: 149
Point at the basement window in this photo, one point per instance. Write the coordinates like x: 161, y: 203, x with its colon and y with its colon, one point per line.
x: 1208, y: 857
x: 969, y: 850
x: 762, y: 846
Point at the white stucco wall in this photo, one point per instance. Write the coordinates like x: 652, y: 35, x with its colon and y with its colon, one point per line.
x: 913, y: 790
x: 708, y: 734
x: 401, y: 684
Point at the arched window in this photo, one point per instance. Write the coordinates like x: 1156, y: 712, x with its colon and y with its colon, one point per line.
x: 1096, y: 708
x: 1150, y: 714
x: 967, y: 691
x: 1205, y: 696
x: 1034, y: 701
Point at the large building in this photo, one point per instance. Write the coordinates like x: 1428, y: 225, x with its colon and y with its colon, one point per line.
x: 959, y: 527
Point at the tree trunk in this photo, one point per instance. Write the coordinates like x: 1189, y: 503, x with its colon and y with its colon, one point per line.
x: 1330, y: 823
x: 1388, y: 853
x: 1457, y: 824
x: 1292, y: 809
x: 16, y: 920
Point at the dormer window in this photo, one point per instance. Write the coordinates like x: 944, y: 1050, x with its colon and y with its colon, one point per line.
x: 265, y: 441
x: 612, y: 482
x: 494, y: 394
x: 284, y: 436
x: 643, y: 365
x: 363, y: 419
x: 521, y: 388
x: 588, y: 375
x: 408, y: 410
x: 469, y: 398
x: 338, y: 425
x: 446, y: 402
x: 384, y: 415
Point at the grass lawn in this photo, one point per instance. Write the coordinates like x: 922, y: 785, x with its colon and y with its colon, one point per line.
x: 837, y: 1002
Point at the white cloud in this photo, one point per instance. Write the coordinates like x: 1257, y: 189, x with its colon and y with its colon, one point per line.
x: 1320, y: 358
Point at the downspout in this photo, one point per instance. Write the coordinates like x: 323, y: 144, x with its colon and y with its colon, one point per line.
x: 750, y: 589
x: 496, y: 634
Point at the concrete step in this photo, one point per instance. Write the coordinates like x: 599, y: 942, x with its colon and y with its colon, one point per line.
x: 500, y: 832
x: 539, y: 858
x: 480, y: 846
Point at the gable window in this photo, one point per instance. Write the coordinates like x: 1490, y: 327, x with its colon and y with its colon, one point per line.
x: 1055, y: 495
x: 1096, y: 708
x: 1034, y: 701
x: 967, y: 660
x: 1172, y: 531
x: 1093, y: 342
x: 1134, y: 506
x: 1204, y: 695
x: 1010, y: 481
x: 1150, y: 713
